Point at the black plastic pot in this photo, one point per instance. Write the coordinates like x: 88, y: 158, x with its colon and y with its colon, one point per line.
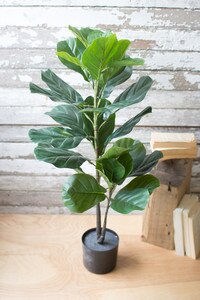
x: 100, y: 258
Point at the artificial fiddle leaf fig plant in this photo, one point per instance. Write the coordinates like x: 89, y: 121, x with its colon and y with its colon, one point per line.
x: 102, y: 60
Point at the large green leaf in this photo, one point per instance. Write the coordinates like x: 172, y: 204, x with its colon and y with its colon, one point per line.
x: 136, y: 150
x: 128, y: 61
x: 68, y: 115
x: 60, y: 158
x: 59, y: 90
x: 57, y: 85
x: 58, y: 137
x: 74, y: 49
x: 123, y: 75
x: 116, y: 164
x: 97, y: 55
x: 87, y: 35
x: 128, y: 201
x: 129, y: 125
x: 133, y: 94
x: 147, y: 164
x: 135, y: 194
x: 81, y: 192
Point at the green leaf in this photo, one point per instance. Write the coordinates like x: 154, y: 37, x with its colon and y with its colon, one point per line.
x: 58, y: 157
x: 87, y: 35
x: 97, y: 56
x: 128, y: 201
x: 74, y: 48
x: 59, y: 90
x: 147, y: 164
x: 136, y: 150
x: 116, y: 164
x: 129, y: 125
x: 81, y: 192
x: 57, y: 85
x: 72, y: 59
x: 123, y: 75
x: 135, y: 194
x: 133, y: 94
x: 68, y: 115
x: 58, y: 137
x: 128, y: 61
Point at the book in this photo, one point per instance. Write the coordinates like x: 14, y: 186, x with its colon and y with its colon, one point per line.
x: 174, y: 145
x: 181, y: 235
x: 193, y: 200
x: 194, y: 230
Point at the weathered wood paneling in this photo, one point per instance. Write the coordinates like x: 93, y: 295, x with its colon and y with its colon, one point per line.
x: 147, y: 38
x: 104, y: 3
x: 103, y: 17
x: 165, y: 33
x: 163, y: 80
x: 37, y: 59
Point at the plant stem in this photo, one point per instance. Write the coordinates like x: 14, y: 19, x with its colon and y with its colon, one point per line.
x: 103, y: 231
x: 98, y: 209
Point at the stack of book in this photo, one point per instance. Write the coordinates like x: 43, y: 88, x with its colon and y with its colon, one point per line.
x: 186, y: 219
x: 174, y: 145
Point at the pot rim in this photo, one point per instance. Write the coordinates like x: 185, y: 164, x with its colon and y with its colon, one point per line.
x: 94, y: 229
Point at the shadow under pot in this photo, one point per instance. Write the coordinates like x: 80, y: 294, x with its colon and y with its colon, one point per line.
x: 100, y: 258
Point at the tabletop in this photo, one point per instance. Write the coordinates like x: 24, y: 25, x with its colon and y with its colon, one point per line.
x: 41, y: 258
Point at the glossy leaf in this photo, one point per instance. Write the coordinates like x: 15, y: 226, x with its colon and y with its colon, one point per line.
x: 97, y: 55
x: 135, y: 194
x: 58, y: 137
x: 68, y: 115
x: 116, y: 164
x: 132, y: 95
x: 59, y: 90
x: 57, y: 85
x: 81, y: 192
x: 87, y: 35
x: 122, y: 75
x: 128, y: 61
x: 74, y: 49
x: 129, y: 125
x: 147, y: 164
x: 128, y: 201
x: 60, y: 158
x: 136, y: 150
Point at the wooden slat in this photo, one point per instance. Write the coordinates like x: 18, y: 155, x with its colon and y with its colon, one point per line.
x: 35, y: 167
x: 12, y: 150
x: 163, y: 80
x: 20, y: 133
x: 192, y: 4
x: 145, y: 39
x: 156, y: 99
x: 43, y: 58
x: 105, y: 17
x: 159, y: 117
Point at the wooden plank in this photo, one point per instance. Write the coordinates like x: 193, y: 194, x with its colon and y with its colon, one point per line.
x: 156, y: 99
x: 20, y: 133
x: 159, y: 117
x: 61, y: 268
x: 43, y: 58
x: 148, y: 38
x: 10, y: 150
x: 25, y: 166
x: 44, y: 183
x: 163, y: 80
x: 192, y: 4
x: 100, y: 17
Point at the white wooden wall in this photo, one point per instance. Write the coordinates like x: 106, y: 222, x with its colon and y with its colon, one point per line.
x: 164, y: 32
